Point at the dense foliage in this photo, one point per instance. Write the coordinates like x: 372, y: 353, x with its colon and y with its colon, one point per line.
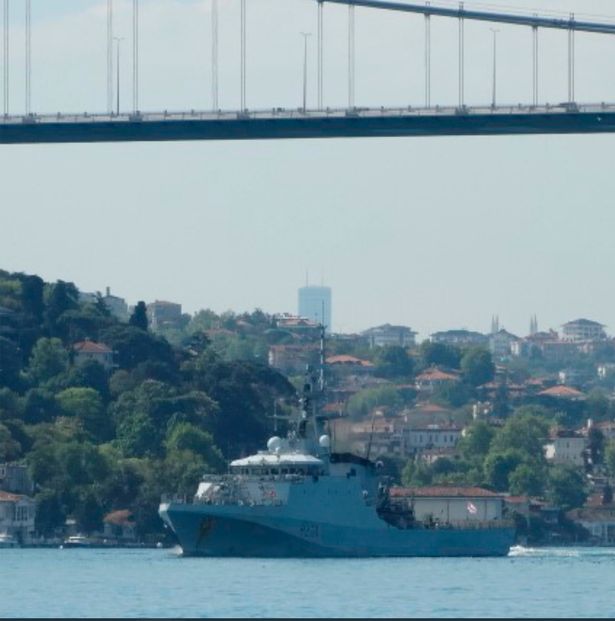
x: 98, y: 439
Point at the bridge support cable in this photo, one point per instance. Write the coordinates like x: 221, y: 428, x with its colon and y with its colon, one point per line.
x: 461, y: 58
x: 571, y: 61
x: 109, y: 56
x: 243, y: 55
x: 135, y: 56
x: 215, y: 104
x: 535, y: 65
x: 428, y: 60
x: 320, y: 60
x: 28, y: 57
x: 5, y: 58
x: 351, y: 57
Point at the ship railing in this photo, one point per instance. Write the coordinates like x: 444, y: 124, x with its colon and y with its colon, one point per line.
x: 468, y: 524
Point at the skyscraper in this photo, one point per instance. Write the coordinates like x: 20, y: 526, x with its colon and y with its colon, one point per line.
x: 315, y: 304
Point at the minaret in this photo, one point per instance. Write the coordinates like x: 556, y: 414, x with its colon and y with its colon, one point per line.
x: 533, y: 325
x: 495, y: 324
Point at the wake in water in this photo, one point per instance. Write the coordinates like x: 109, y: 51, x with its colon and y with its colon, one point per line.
x: 572, y: 552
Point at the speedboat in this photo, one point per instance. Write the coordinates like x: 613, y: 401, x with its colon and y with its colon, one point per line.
x: 8, y: 541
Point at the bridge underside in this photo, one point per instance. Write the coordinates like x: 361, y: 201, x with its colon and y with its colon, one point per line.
x: 30, y: 131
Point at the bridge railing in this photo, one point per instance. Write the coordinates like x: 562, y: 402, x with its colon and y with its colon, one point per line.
x: 293, y: 113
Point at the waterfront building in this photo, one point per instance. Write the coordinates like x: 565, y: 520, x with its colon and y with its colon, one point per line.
x: 315, y: 305
x: 452, y: 504
x: 17, y: 515
x: 388, y: 335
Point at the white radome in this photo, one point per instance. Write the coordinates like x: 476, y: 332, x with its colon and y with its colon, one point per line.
x: 324, y: 441
x: 274, y: 444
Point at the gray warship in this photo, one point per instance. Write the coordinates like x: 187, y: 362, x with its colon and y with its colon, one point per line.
x: 300, y: 498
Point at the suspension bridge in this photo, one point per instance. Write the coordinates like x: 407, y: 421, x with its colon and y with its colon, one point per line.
x: 353, y: 120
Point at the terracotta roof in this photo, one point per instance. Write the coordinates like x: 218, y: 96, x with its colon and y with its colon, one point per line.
x: 344, y: 359
x: 119, y: 518
x: 562, y: 392
x: 6, y: 497
x: 431, y: 408
x: 90, y: 347
x: 443, y: 492
x: 436, y: 374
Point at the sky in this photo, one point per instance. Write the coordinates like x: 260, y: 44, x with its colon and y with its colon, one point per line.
x: 433, y: 233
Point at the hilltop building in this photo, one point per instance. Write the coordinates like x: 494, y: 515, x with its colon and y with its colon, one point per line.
x: 583, y: 330
x: 117, y: 306
x: 161, y: 314
x: 87, y: 350
x: 458, y: 337
x: 386, y: 335
x: 315, y: 305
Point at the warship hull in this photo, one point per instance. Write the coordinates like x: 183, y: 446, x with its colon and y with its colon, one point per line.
x: 219, y: 532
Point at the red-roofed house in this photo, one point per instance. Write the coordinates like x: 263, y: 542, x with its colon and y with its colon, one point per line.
x: 349, y: 365
x: 562, y: 392
x: 433, y: 378
x: 98, y: 352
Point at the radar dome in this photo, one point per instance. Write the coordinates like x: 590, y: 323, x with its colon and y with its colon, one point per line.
x: 324, y: 441
x: 274, y: 444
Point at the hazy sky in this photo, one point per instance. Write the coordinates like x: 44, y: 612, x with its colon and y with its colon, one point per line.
x: 433, y: 233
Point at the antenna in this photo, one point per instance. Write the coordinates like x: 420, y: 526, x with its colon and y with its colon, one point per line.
x: 371, y: 436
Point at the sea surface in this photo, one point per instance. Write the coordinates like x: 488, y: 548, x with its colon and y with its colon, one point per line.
x: 532, y: 583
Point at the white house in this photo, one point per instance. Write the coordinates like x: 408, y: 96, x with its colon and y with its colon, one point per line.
x: 17, y: 514
x: 452, y: 504
x: 430, y: 437
x: 566, y: 447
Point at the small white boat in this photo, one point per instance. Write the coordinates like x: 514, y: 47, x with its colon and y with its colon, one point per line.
x: 77, y: 541
x: 8, y: 541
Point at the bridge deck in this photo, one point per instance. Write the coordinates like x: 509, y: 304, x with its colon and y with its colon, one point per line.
x: 284, y: 124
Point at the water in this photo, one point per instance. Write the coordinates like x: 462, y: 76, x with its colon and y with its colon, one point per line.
x: 569, y: 582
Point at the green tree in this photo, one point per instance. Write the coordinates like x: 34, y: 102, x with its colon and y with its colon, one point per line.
x: 595, y: 445
x: 138, y: 319
x: 476, y: 441
x: 394, y: 362
x: 187, y: 437
x: 10, y: 363
x: 10, y: 449
x: 609, y: 458
x: 32, y: 289
x: 499, y: 466
x: 440, y: 354
x: 477, y: 366
x: 524, y: 432
x: 363, y: 402
x: 567, y: 487
x: 86, y: 404
x: 49, y: 359
x: 63, y: 296
x: 529, y: 479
